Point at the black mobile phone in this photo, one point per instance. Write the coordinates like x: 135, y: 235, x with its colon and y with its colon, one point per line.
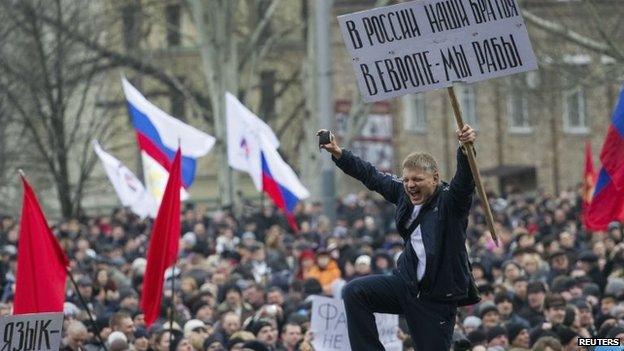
x: 324, y: 138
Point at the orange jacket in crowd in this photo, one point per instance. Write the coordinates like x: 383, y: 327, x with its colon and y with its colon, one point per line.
x: 324, y: 276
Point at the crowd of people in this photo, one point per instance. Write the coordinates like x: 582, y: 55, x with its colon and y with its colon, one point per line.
x: 243, y: 281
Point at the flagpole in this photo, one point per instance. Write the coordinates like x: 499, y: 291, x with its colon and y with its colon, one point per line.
x: 172, y: 307
x: 471, y: 155
x: 86, y: 306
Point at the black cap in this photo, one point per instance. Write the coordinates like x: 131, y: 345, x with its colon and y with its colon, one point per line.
x: 565, y: 334
x: 581, y: 304
x: 535, y: 287
x: 539, y: 332
x: 140, y: 333
x: 495, y: 331
x: 588, y: 256
x: 614, y: 331
x: 256, y: 326
x: 556, y: 253
x: 127, y: 292
x: 485, y: 288
x: 234, y: 341
x: 562, y: 283
x: 601, y: 319
x: 476, y: 336
x: 483, y: 310
x: 255, y: 346
x: 513, y: 329
x: 591, y: 289
x: 197, y: 305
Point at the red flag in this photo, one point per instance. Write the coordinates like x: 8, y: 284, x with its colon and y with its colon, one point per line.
x: 589, y: 180
x: 41, y: 263
x: 607, y: 203
x: 163, y: 247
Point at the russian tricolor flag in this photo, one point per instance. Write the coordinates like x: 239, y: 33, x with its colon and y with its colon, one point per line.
x: 252, y: 148
x: 612, y: 154
x: 159, y: 135
x: 607, y: 204
x: 281, y: 184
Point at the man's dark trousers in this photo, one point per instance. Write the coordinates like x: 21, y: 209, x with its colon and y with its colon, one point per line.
x: 430, y: 323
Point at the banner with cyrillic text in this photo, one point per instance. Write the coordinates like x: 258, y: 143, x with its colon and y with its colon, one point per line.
x: 40, y: 331
x: 425, y: 45
x: 329, y: 326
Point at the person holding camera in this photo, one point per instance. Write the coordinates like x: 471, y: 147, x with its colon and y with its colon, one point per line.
x: 433, y: 275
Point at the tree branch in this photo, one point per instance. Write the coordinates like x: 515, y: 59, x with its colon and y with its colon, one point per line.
x: 291, y: 118
x: 572, y: 36
x: 253, y: 40
x: 129, y: 61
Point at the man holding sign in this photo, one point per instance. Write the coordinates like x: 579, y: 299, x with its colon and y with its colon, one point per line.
x: 433, y: 274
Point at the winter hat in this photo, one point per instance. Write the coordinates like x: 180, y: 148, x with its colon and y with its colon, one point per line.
x: 472, y: 322
x: 513, y: 329
x: 495, y: 332
x: 255, y: 346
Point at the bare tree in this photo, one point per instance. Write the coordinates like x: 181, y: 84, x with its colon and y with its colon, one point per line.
x: 598, y: 32
x: 235, y: 38
x: 50, y: 83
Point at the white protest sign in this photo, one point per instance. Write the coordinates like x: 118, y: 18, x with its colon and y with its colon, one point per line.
x: 329, y: 326
x: 387, y: 326
x: 425, y: 45
x: 25, y: 332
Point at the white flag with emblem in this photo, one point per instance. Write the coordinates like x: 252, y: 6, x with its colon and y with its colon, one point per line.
x: 245, y: 133
x: 128, y: 187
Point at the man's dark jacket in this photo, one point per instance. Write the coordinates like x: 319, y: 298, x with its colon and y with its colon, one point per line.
x: 443, y: 220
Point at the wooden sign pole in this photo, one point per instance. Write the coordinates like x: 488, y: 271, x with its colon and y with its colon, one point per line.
x: 470, y: 153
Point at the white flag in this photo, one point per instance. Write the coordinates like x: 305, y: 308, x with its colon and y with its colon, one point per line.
x: 128, y: 187
x: 246, y: 136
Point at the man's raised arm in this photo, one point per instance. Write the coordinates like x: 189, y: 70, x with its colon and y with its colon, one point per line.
x: 385, y: 184
x: 462, y: 185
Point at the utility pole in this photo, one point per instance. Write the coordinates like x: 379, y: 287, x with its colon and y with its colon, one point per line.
x: 324, y: 98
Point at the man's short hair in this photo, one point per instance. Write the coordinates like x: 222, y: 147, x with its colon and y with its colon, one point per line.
x: 421, y: 160
x: 75, y: 327
x: 554, y: 300
x: 276, y: 289
x: 115, y: 320
x: 291, y: 324
x: 535, y: 287
x: 255, y: 286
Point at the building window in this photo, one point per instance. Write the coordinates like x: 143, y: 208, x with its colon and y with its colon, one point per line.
x: 267, y: 94
x: 574, y: 110
x: 415, y: 113
x: 172, y: 15
x: 467, y: 103
x: 130, y: 22
x: 518, y: 106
